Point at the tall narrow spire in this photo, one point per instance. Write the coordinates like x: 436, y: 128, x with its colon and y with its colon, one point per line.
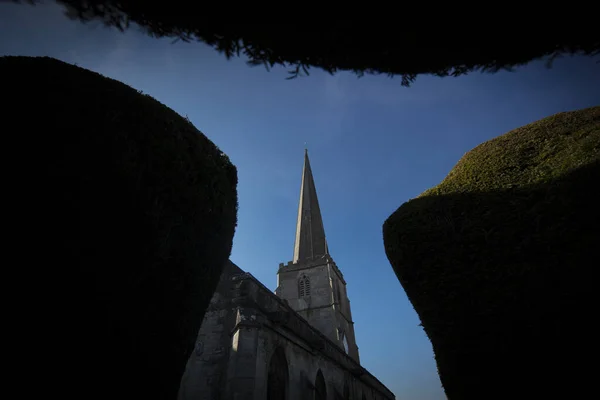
x: 310, y: 234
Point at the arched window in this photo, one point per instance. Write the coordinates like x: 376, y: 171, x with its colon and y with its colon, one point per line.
x: 345, y: 343
x: 346, y: 391
x: 304, y: 286
x: 320, y: 388
x: 277, y: 381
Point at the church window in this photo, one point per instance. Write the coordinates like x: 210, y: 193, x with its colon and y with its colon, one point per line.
x: 343, y: 339
x: 277, y: 379
x: 320, y: 387
x: 304, y: 286
x: 345, y: 343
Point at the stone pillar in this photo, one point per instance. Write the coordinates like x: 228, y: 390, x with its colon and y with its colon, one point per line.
x: 241, y: 369
x: 264, y: 353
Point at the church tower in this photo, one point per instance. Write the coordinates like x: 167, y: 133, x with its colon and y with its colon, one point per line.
x: 311, y: 283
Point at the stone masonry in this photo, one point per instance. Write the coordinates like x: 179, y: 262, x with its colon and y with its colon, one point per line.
x: 297, y: 343
x: 242, y: 329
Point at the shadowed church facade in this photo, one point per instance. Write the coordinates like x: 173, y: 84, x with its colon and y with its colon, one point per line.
x: 297, y: 343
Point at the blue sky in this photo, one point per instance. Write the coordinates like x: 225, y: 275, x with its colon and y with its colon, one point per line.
x: 373, y: 145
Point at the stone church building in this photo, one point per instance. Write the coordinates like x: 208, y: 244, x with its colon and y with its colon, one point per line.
x: 297, y: 343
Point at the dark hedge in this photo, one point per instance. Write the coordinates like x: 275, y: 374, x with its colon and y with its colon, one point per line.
x: 498, y: 262
x: 138, y: 215
x: 371, y: 39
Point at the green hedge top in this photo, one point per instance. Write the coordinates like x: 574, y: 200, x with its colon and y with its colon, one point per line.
x: 499, y: 259
x: 504, y: 203
x: 535, y: 153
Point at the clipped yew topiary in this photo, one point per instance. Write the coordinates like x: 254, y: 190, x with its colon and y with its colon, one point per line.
x: 498, y: 259
x: 139, y: 211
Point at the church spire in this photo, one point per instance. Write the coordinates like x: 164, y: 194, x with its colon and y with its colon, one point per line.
x: 310, y: 234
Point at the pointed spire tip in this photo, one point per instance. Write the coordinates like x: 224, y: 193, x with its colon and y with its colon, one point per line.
x: 310, y: 235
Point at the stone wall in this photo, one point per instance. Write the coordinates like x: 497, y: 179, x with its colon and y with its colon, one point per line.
x: 307, y: 349
x: 243, y: 327
x: 206, y: 368
x: 328, y: 307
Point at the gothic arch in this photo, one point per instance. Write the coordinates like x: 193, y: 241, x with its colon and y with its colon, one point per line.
x: 303, y: 286
x: 320, y: 387
x: 278, y: 376
x: 346, y: 391
x: 344, y: 340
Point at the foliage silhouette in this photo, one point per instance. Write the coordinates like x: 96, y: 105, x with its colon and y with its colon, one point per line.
x: 300, y: 41
x: 498, y: 261
x: 142, y: 209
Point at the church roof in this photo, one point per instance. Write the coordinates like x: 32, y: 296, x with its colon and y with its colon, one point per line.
x: 310, y: 234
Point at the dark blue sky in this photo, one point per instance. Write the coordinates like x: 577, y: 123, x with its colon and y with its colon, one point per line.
x: 373, y: 145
